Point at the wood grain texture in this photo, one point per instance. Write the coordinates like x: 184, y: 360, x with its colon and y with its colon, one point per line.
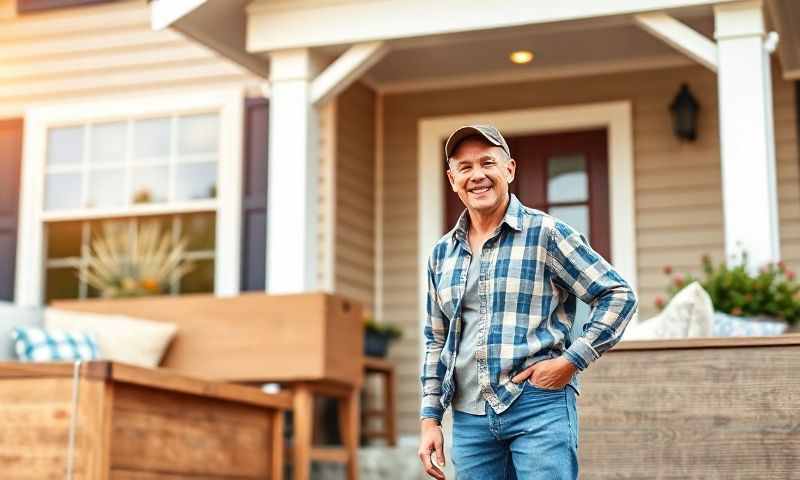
x: 161, y: 431
x: 129, y: 429
x: 699, y: 413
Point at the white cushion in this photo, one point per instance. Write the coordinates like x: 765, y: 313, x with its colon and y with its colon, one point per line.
x: 122, y: 339
x: 689, y: 313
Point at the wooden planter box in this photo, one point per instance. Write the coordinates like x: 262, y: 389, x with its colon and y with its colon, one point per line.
x: 133, y: 423
x: 253, y: 337
x: 710, y: 408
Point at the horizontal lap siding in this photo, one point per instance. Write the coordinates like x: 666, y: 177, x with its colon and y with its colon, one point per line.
x: 354, y: 268
x: 677, y: 185
x: 786, y: 156
x: 100, y: 50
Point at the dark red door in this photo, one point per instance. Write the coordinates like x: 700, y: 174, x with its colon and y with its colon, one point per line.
x: 564, y: 174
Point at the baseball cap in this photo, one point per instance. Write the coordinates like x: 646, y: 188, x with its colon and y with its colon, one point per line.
x: 488, y: 132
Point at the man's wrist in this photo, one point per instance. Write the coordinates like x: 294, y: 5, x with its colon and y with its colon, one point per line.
x: 430, y: 422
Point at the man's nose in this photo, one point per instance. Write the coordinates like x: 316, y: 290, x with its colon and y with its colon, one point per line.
x: 477, y: 175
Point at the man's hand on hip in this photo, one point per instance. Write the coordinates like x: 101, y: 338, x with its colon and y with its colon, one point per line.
x: 432, y: 440
x: 553, y: 374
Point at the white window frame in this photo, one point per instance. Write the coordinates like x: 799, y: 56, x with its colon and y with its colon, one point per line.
x: 229, y: 103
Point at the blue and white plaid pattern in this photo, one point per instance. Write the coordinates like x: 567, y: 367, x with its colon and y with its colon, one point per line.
x: 532, y: 269
x: 35, y: 344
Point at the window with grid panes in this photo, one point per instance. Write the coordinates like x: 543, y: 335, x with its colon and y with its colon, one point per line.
x: 163, y: 168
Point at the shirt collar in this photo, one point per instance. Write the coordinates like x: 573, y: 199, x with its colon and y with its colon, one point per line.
x: 512, y: 218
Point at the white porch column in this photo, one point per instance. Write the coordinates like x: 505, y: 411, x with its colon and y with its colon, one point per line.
x: 747, y: 144
x: 293, y: 174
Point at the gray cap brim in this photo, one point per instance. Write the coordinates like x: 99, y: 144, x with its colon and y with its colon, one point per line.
x: 487, y: 132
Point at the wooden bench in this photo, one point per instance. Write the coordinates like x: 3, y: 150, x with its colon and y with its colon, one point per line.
x: 123, y: 422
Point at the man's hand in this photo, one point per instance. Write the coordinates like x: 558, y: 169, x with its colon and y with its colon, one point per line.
x: 432, y: 440
x: 553, y: 374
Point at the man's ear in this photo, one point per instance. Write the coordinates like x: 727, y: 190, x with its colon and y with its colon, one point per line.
x: 450, y: 179
x: 511, y: 170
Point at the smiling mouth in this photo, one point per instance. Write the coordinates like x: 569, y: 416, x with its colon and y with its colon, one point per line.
x: 480, y: 190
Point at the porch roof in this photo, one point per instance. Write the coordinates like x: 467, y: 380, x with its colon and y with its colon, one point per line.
x: 248, y: 31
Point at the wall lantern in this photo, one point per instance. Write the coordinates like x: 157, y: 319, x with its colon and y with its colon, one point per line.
x: 684, y: 109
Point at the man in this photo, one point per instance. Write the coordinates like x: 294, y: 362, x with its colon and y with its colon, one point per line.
x: 502, y: 289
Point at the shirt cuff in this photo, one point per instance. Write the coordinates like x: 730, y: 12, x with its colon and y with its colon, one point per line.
x: 434, y: 413
x: 431, y: 408
x: 581, y: 354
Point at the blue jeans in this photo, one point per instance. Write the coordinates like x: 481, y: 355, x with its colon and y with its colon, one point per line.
x: 536, y: 438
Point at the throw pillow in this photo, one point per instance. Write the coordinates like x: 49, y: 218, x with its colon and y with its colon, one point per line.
x: 34, y: 344
x: 730, y: 326
x: 688, y: 314
x: 121, y: 338
x: 11, y: 316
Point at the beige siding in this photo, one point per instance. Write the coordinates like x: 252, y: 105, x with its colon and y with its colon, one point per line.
x: 327, y: 161
x: 355, y: 195
x: 786, y: 156
x: 99, y: 50
x: 677, y: 185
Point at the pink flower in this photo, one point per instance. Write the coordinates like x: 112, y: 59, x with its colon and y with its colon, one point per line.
x: 781, y: 265
x: 659, y: 301
x: 678, y: 279
x: 790, y: 275
x: 736, y: 311
x: 668, y: 269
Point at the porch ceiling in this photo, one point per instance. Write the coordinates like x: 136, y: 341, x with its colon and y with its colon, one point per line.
x: 557, y: 48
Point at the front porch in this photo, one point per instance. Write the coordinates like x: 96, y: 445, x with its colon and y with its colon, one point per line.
x: 361, y: 108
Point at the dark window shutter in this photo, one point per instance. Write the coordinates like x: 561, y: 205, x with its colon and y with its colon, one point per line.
x: 254, y: 195
x: 25, y: 6
x: 10, y: 162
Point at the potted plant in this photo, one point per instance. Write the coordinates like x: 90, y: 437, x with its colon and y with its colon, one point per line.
x: 119, y: 268
x: 378, y: 336
x: 770, y: 294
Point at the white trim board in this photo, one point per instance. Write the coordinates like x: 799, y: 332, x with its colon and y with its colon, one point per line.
x: 275, y: 26
x: 30, y: 240
x: 615, y: 116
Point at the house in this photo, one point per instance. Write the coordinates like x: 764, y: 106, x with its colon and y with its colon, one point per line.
x: 340, y: 186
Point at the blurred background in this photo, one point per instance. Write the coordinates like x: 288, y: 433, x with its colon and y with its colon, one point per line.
x: 294, y: 146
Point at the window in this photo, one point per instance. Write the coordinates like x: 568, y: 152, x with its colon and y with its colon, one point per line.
x: 161, y: 160
x: 68, y: 250
x: 171, y: 159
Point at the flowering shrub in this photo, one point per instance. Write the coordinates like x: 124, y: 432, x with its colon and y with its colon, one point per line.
x: 772, y: 292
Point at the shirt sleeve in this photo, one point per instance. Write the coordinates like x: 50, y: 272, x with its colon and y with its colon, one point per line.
x: 580, y: 270
x: 433, y: 370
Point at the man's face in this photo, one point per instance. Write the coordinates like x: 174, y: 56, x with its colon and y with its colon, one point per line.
x: 480, y: 173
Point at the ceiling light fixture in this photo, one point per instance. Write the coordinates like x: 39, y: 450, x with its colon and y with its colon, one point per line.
x: 521, y: 56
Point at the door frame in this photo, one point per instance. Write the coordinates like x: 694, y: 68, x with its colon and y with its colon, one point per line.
x: 616, y: 117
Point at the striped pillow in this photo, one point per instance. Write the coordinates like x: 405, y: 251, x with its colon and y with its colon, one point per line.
x: 33, y: 344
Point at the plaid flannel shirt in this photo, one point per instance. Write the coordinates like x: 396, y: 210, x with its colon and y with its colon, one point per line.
x: 532, y: 269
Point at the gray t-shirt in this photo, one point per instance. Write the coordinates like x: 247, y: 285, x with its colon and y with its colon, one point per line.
x: 467, y: 397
